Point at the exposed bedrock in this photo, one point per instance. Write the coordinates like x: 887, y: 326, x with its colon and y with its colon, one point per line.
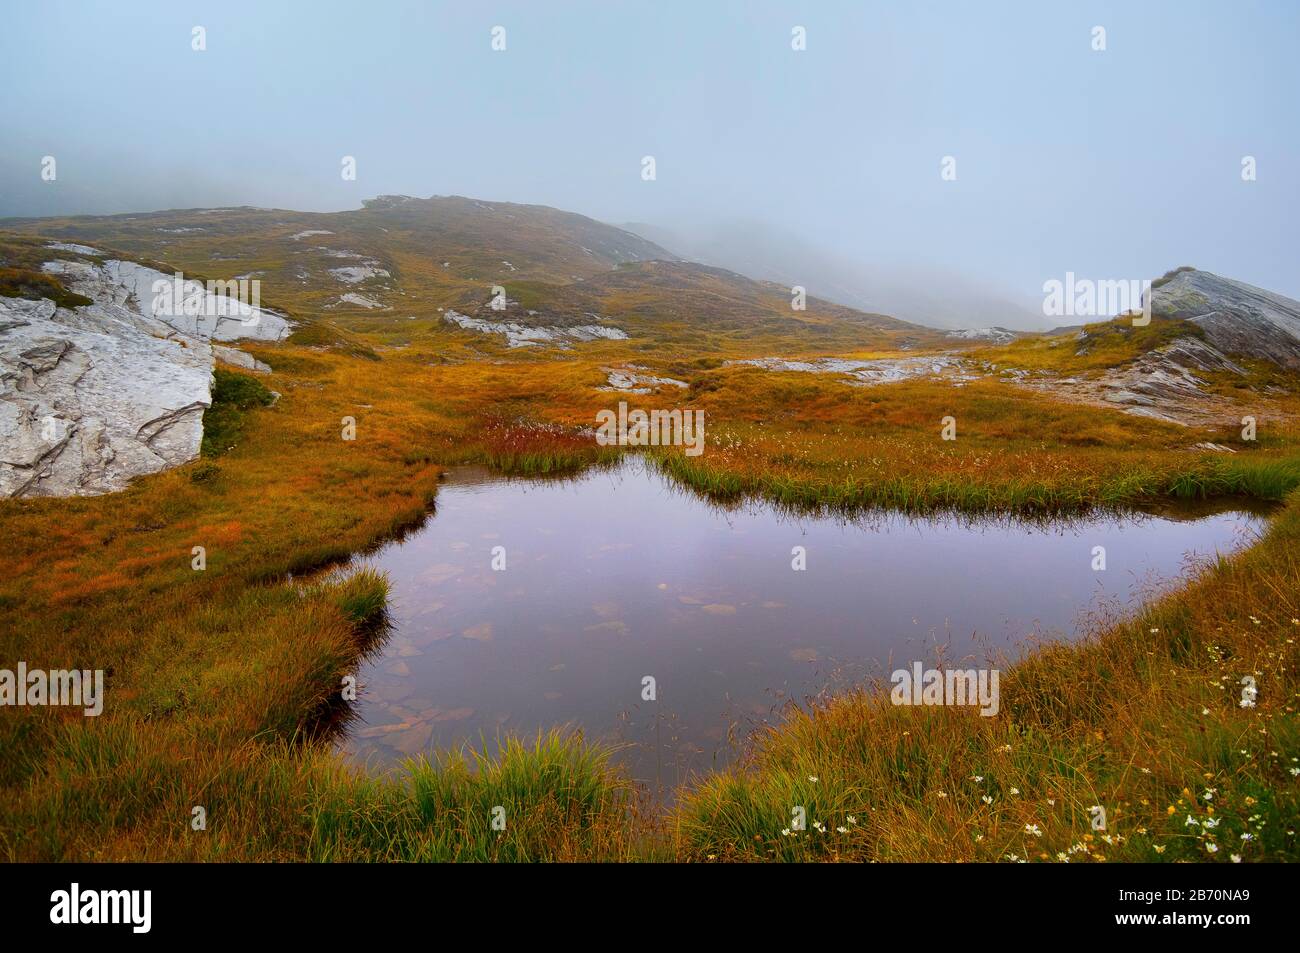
x: 95, y: 396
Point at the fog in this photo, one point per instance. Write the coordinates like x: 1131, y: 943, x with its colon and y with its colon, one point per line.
x: 820, y: 166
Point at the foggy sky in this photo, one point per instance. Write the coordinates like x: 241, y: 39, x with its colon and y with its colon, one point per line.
x: 1114, y: 164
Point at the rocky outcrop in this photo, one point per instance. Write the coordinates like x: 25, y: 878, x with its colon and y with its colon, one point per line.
x: 994, y: 335
x: 1163, y: 383
x: 1234, y: 321
x: 523, y: 335
x: 92, y: 397
x: 241, y: 359
x: 1236, y: 318
x: 186, y: 305
x: 629, y: 380
x: 878, y: 371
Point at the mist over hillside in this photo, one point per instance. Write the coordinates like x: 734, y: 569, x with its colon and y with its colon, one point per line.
x: 923, y: 294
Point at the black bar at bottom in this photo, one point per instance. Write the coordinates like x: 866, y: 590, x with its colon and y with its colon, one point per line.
x: 338, y: 902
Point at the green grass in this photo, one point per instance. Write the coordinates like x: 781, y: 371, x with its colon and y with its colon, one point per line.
x: 554, y: 798
x: 1169, y: 275
x: 234, y: 395
x: 326, y: 334
x: 1268, y: 479
x: 363, y: 597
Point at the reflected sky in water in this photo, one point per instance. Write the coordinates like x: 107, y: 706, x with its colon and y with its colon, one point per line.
x: 620, y: 574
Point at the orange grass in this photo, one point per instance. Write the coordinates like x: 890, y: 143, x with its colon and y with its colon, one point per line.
x: 219, y: 677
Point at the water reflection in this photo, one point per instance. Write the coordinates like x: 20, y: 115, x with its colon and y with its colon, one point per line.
x: 619, y: 575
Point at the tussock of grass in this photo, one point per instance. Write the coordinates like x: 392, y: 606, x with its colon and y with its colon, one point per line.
x: 1169, y: 275
x: 363, y: 597
x: 324, y: 334
x: 557, y: 797
x: 233, y: 396
x: 526, y: 448
x: 254, y: 671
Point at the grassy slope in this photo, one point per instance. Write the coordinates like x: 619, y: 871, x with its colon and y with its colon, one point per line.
x: 217, y: 675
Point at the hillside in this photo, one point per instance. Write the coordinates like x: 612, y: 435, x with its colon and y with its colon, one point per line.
x: 400, y: 258
x: 931, y: 296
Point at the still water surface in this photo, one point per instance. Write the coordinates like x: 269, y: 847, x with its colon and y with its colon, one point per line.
x: 620, y: 574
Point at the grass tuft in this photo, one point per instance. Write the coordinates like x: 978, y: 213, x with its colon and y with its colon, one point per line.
x: 234, y: 395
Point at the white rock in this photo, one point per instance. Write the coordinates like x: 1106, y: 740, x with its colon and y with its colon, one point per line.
x: 1163, y: 383
x: 631, y: 381
x: 879, y: 371
x: 354, y: 274
x: 360, y: 301
x: 994, y: 335
x: 238, y: 358
x: 524, y: 335
x: 94, y: 397
x: 186, y: 306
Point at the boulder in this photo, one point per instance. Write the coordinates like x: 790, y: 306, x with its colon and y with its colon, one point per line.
x: 1237, y: 318
x: 95, y: 396
x: 193, y: 310
x: 92, y: 398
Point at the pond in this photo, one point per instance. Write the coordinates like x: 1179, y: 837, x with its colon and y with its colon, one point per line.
x: 526, y: 604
